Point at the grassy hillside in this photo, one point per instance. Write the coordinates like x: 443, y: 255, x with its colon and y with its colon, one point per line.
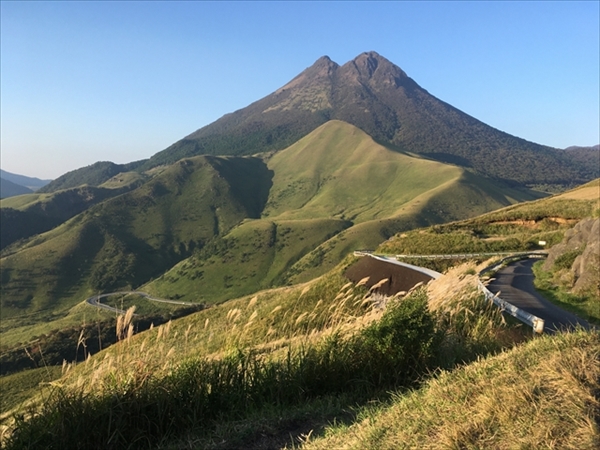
x: 126, y: 240
x: 27, y: 215
x: 92, y: 175
x: 339, y: 171
x: 253, y: 256
x: 540, y: 395
x: 518, y: 227
x: 324, y: 345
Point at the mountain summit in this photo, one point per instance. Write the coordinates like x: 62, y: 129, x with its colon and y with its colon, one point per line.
x: 378, y: 97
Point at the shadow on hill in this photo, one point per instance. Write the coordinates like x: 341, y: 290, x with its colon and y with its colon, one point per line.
x: 250, y: 180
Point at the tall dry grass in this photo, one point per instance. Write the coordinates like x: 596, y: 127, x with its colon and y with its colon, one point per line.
x: 132, y: 401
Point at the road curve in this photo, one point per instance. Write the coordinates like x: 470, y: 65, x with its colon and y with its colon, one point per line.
x: 95, y: 300
x: 514, y: 284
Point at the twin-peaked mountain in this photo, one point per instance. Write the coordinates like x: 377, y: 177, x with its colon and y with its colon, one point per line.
x: 376, y: 96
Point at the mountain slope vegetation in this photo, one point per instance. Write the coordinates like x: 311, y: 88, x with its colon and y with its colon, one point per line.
x: 27, y: 215
x: 124, y: 241
x: 92, y: 175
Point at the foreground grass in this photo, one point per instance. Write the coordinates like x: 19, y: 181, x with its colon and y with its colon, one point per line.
x: 19, y: 387
x: 544, y: 394
x: 134, y: 411
x: 334, y: 347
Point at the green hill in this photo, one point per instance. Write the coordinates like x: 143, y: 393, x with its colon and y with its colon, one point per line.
x: 125, y: 241
x: 334, y: 191
x: 27, y: 215
x: 92, y: 175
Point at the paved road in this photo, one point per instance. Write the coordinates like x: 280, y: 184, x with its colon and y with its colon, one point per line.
x: 515, y: 284
x: 95, y: 300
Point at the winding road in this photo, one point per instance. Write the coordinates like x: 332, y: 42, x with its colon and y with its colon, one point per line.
x: 514, y: 283
x: 95, y: 300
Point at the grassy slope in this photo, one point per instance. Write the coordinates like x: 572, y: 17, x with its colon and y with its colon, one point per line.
x: 540, y: 395
x: 19, y: 387
x: 253, y: 256
x: 124, y: 241
x: 339, y: 171
x: 516, y: 227
x: 27, y: 215
x: 267, y: 323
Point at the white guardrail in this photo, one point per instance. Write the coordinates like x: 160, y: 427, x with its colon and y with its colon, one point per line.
x: 533, y: 321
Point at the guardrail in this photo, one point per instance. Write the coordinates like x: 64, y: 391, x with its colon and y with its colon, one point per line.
x: 533, y: 321
x: 455, y: 255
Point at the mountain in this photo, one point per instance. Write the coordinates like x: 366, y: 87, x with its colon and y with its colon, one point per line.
x: 376, y: 96
x: 29, y: 182
x: 10, y: 189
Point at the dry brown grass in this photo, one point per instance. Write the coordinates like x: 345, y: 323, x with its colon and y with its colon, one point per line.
x: 584, y: 193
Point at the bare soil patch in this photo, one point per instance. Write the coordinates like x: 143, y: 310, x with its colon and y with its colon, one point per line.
x: 399, y: 278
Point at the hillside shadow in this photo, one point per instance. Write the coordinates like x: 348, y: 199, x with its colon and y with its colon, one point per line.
x: 250, y: 180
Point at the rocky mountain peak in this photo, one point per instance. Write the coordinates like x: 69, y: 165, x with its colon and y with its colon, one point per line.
x: 322, y: 69
x: 372, y: 68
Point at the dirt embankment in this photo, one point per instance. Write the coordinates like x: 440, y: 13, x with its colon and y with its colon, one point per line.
x: 399, y: 278
x: 583, y: 243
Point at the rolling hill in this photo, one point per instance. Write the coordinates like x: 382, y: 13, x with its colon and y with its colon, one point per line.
x: 92, y: 175
x: 27, y: 215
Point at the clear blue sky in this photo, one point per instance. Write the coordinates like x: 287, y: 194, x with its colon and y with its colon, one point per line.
x: 120, y: 81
